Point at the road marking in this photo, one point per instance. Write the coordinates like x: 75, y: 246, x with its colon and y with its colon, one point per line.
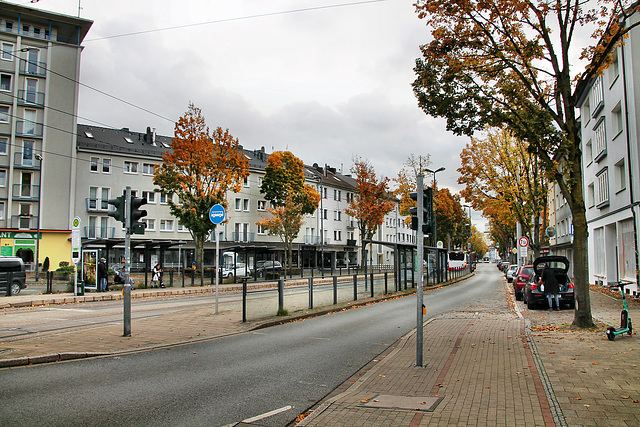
x: 82, y: 310
x: 267, y: 414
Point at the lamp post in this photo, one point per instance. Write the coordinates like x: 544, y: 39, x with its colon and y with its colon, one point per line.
x: 435, y: 224
x: 39, y: 158
x: 470, y: 235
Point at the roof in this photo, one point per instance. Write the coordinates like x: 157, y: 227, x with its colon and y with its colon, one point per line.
x: 121, y: 141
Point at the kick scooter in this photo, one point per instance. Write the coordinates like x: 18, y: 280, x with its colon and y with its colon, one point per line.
x: 625, y: 320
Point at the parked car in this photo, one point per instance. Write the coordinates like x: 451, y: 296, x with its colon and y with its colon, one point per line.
x: 510, y: 272
x: 264, y: 267
x: 239, y: 270
x: 14, y: 267
x: 502, y: 265
x: 520, y: 280
x: 534, y: 296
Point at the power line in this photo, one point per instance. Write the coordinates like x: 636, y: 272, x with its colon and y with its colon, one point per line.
x: 240, y: 18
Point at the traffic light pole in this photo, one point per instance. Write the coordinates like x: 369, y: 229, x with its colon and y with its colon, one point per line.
x: 126, y: 290
x: 420, y: 270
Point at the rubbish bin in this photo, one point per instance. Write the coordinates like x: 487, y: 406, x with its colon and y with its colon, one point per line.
x: 80, y: 289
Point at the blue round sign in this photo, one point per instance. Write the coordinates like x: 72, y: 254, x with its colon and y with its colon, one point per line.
x: 217, y: 214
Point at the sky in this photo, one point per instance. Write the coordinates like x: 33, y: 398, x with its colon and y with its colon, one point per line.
x: 328, y: 80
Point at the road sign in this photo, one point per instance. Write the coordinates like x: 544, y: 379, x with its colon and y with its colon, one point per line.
x: 76, y: 244
x: 523, y: 242
x: 217, y: 214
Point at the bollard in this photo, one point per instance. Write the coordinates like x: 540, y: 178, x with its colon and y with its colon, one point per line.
x: 280, y: 295
x: 244, y: 301
x: 335, y: 290
x: 193, y: 276
x: 386, y: 282
x: 355, y: 287
x: 171, y: 278
x: 183, y: 277
x: 310, y: 293
x: 372, y: 284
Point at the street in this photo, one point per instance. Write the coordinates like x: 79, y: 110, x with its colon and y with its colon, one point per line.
x: 226, y: 380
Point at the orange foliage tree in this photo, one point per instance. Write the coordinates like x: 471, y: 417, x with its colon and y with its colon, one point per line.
x: 283, y: 186
x: 371, y: 202
x: 200, y: 169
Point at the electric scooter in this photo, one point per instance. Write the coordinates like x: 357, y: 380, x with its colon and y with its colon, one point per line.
x: 625, y: 320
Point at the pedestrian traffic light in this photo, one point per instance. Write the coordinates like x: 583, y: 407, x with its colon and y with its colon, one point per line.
x: 118, y: 213
x: 427, y: 211
x: 137, y: 227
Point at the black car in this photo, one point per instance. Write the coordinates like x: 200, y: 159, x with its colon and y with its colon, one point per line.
x: 264, y: 267
x: 12, y: 269
x: 533, y: 296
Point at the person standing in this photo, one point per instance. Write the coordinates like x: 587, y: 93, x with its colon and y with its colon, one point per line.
x: 551, y: 287
x: 103, y: 274
x: 157, y: 276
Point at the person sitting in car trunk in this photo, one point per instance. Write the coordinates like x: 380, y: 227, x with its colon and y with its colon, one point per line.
x: 551, y: 287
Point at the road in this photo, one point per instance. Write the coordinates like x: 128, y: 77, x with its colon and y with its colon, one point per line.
x: 227, y: 380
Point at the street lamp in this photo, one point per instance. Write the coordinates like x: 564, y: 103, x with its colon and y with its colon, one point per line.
x: 39, y: 158
x: 470, y: 232
x: 435, y: 224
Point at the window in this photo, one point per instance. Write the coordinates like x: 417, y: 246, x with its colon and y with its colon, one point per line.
x: 325, y: 193
x: 29, y: 125
x: 7, y: 51
x: 588, y: 152
x: 3, y: 178
x: 166, y: 225
x: 88, y: 134
x: 597, y: 96
x: 5, y: 82
x: 4, y: 114
x: 238, y: 203
x: 337, y: 216
x: 182, y: 228
x: 31, y: 92
x: 586, y: 111
x: 8, y: 26
x: 129, y: 140
x: 93, y: 164
x: 1, y: 210
x: 602, y: 190
x: 106, y: 165
x: 337, y: 235
x: 130, y: 167
x: 601, y: 141
x: 246, y: 181
x: 150, y: 196
x: 261, y: 229
x: 27, y: 153
x: 147, y: 168
x: 165, y: 198
x: 616, y: 117
x: 591, y: 195
x: 3, y: 145
x: 245, y: 205
x: 150, y: 224
x: 620, y: 176
x: 324, y: 214
x: 614, y: 68
x: 262, y: 205
x: 599, y: 251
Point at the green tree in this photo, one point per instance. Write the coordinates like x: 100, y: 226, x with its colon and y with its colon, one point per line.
x: 495, y: 63
x: 200, y: 169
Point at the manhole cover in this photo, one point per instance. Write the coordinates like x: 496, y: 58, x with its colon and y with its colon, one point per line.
x: 412, y: 403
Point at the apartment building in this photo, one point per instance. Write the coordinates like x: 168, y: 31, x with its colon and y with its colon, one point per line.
x: 39, y: 71
x: 610, y: 122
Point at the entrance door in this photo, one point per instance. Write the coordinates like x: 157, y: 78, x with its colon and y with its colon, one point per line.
x: 25, y: 185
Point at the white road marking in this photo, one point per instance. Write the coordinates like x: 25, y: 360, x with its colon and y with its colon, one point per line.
x: 267, y: 414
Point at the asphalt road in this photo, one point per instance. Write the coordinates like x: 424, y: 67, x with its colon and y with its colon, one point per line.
x: 227, y: 380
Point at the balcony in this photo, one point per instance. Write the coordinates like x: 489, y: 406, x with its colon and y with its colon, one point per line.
x: 316, y: 240
x: 96, y: 204
x: 351, y: 224
x: 26, y: 160
x: 351, y: 242
x: 99, y: 232
x: 33, y: 68
x: 24, y: 222
x: 239, y: 236
x: 29, y: 129
x: 26, y: 192
x: 29, y: 97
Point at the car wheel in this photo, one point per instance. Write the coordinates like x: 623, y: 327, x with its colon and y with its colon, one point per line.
x: 15, y: 288
x: 530, y: 304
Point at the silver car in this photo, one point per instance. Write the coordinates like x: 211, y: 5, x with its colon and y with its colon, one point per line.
x: 511, y: 272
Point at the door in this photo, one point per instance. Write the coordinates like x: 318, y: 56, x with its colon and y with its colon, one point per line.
x: 29, y: 127
x: 31, y: 91
x: 25, y: 216
x: 32, y: 66
x: 25, y: 185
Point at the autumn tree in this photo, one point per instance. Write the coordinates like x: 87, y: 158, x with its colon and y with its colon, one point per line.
x: 284, y: 187
x: 371, y: 202
x: 509, y: 63
x: 478, y: 244
x: 499, y: 168
x: 200, y: 168
x: 406, y: 182
x: 451, y: 220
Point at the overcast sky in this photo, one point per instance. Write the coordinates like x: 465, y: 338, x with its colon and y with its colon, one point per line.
x: 327, y: 83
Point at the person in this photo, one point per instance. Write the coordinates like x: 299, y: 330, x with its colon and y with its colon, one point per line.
x: 551, y: 287
x: 157, y: 276
x: 103, y: 275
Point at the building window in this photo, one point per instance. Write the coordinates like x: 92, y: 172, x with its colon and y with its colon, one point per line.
x: 7, y: 51
x: 337, y: 216
x: 166, y: 225
x: 262, y: 205
x: 602, y: 190
x: 4, y: 114
x: 93, y: 164
x: 261, y: 229
x: 614, y: 68
x: 324, y: 214
x: 3, y: 145
x: 599, y: 251
x: 245, y: 205
x: 8, y: 26
x: 3, y: 178
x: 620, y: 177
x: 147, y: 168
x: 591, y: 195
x: 618, y: 124
x: 182, y: 228
x: 106, y: 165
x: 150, y: 196
x: 600, y: 140
x: 130, y: 167
x: 1, y: 210
x: 597, y: 96
x: 5, y: 82
x: 246, y: 181
x: 164, y: 198
x: 337, y: 235
x: 150, y: 224
x: 588, y: 152
x: 238, y: 204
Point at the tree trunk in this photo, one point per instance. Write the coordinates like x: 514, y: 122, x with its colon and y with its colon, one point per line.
x: 199, y: 242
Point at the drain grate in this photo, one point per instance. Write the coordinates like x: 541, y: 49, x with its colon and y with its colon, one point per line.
x: 412, y: 403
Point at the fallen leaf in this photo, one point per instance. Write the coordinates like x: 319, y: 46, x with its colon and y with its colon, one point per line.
x: 577, y: 398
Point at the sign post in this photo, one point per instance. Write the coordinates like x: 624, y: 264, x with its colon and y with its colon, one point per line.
x: 76, y: 249
x: 523, y: 243
x: 217, y: 215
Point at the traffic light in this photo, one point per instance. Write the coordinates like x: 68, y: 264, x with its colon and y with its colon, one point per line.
x: 427, y: 214
x: 137, y: 227
x: 118, y: 213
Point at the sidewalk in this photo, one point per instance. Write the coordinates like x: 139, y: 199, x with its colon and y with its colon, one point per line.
x: 504, y: 366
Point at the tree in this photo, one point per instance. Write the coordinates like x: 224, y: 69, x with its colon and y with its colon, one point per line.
x: 450, y: 218
x: 499, y: 168
x: 283, y: 186
x: 477, y: 243
x: 495, y: 63
x: 406, y: 182
x: 200, y: 169
x: 371, y: 202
